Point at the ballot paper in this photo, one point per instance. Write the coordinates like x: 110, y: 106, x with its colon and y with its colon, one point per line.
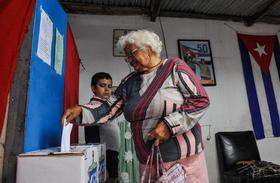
x: 65, y: 138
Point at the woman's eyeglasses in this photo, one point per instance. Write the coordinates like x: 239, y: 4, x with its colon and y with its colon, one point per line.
x: 131, y: 55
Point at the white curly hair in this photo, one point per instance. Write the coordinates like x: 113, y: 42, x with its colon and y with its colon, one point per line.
x: 142, y: 38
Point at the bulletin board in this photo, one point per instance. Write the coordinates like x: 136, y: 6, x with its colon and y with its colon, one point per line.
x: 46, y: 83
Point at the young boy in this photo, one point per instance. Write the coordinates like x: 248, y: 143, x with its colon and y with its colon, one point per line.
x: 109, y: 133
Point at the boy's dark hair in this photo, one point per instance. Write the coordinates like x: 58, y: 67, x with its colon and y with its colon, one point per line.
x: 98, y: 76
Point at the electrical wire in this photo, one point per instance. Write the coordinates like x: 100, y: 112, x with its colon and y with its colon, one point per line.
x: 163, y: 36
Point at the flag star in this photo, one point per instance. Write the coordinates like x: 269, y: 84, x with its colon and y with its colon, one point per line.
x: 260, y: 49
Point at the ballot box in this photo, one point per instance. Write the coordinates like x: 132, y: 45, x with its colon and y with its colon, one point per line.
x: 82, y: 164
x: 102, y: 163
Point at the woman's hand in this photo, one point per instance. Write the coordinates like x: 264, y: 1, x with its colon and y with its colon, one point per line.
x: 70, y: 114
x: 160, y: 133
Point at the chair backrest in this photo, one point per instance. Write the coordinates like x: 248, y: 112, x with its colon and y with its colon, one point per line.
x: 235, y: 146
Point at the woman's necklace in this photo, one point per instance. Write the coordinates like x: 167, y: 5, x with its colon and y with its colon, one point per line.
x: 153, y: 67
x: 159, y: 63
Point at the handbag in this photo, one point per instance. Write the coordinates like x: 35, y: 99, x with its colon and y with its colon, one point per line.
x: 175, y: 174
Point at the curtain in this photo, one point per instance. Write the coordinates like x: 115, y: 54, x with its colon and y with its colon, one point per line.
x: 15, y: 18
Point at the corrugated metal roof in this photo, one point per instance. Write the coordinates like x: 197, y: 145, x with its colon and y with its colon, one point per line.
x: 248, y: 11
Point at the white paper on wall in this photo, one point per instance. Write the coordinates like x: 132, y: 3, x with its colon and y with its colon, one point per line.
x: 45, y: 38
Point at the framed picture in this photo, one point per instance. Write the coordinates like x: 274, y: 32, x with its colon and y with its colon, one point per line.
x: 197, y: 54
x: 117, y: 33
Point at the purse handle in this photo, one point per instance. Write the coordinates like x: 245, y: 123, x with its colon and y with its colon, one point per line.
x: 149, y: 164
x: 161, y: 162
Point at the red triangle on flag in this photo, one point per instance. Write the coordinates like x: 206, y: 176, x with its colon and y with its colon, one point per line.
x: 261, y: 48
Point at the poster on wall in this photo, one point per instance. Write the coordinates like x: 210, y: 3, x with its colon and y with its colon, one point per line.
x: 58, y: 57
x: 45, y: 37
x: 197, y: 54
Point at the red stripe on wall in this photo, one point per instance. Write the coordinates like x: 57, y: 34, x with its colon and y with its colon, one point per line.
x: 71, y: 87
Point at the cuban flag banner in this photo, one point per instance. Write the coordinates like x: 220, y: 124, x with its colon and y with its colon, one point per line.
x: 260, y: 57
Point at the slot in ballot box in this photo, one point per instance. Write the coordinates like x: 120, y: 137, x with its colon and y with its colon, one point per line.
x: 82, y: 164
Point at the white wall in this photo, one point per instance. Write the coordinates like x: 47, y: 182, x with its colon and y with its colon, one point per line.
x: 229, y: 107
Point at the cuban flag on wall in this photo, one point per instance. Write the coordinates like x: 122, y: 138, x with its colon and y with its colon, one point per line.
x: 260, y: 57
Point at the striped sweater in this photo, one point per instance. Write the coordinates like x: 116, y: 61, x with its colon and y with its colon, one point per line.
x: 172, y: 94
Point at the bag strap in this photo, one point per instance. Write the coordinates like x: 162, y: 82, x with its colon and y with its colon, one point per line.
x: 161, y: 161
x: 149, y: 164
x: 157, y: 82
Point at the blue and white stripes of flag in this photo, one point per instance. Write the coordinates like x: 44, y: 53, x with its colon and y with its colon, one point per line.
x: 260, y: 57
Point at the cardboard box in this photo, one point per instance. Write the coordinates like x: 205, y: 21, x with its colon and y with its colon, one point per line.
x: 83, y: 164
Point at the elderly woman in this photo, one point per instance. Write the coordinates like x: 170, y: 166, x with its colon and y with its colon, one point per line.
x: 163, y: 100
